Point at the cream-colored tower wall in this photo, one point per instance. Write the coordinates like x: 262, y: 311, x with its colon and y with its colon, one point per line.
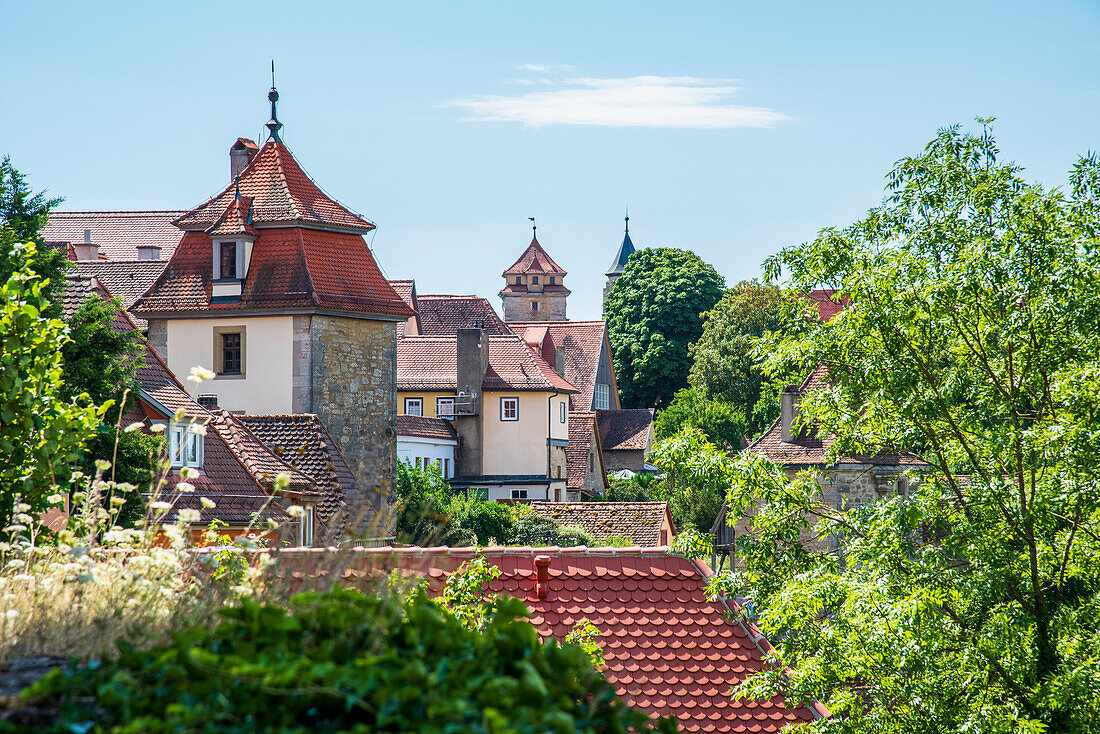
x: 265, y: 386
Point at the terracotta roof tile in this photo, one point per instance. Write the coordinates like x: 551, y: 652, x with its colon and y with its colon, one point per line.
x: 625, y: 430
x: 639, y: 521
x: 582, y: 426
x: 118, y: 234
x: 580, y: 343
x: 534, y: 260
x: 125, y: 279
x: 669, y: 650
x: 429, y: 363
x: 443, y: 315
x: 425, y: 427
x: 826, y: 306
x: 235, y: 220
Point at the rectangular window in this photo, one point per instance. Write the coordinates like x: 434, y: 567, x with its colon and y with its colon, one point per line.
x: 551, y: 280
x: 230, y: 351
x: 231, y: 354
x: 519, y: 280
x: 534, y: 280
x: 447, y: 468
x: 228, y: 260
x: 519, y: 494
x: 509, y: 409
x: 305, y: 528
x: 185, y: 445
x: 414, y: 406
x: 534, y: 305
x: 561, y: 412
x: 445, y: 407
x: 601, y: 397
x: 478, y: 493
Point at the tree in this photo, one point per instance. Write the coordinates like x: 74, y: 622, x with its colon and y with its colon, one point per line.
x: 971, y: 336
x: 654, y: 313
x: 697, y: 478
x: 721, y: 422
x: 725, y: 367
x: 22, y: 217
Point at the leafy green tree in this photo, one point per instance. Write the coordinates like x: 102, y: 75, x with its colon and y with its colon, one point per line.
x: 654, y: 313
x: 725, y: 368
x: 529, y: 528
x: 697, y: 476
x: 641, y: 487
x: 424, y: 508
x: 22, y: 217
x: 972, y: 335
x: 721, y: 422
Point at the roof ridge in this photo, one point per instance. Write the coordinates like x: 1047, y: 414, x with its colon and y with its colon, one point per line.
x: 130, y: 212
x: 281, y: 173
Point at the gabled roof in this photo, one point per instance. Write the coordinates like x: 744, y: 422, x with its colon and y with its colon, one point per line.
x: 668, y: 649
x: 582, y: 434
x: 444, y: 315
x: 639, y: 521
x: 235, y: 220
x: 580, y: 343
x: 282, y: 194
x: 430, y: 363
x: 421, y: 426
x: 625, y: 430
x: 626, y: 249
x: 125, y: 279
x: 117, y: 234
x: 534, y: 260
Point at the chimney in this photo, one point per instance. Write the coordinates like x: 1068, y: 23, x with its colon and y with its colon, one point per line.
x: 148, y: 252
x: 86, y: 250
x: 240, y: 155
x: 542, y: 576
x: 788, y: 412
x: 208, y: 401
x: 472, y: 362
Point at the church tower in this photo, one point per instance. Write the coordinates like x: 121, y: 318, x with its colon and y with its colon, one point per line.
x: 616, y: 269
x: 534, y: 287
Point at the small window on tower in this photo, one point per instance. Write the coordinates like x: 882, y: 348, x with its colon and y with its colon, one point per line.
x: 229, y: 351
x: 231, y: 354
x: 551, y: 280
x: 519, y: 280
x: 535, y: 279
x: 534, y: 305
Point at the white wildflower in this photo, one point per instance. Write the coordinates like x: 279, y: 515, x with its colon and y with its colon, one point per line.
x: 157, y: 428
x: 16, y: 563
x: 116, y: 501
x: 198, y: 428
x: 296, y: 511
x: 24, y: 518
x: 185, y: 487
x: 102, y: 464
x: 55, y: 499
x: 207, y: 503
x: 22, y: 507
x: 188, y: 472
x: 136, y: 425
x: 200, y: 374
x: 242, y: 590
x: 160, y: 505
x: 12, y: 614
x: 188, y: 516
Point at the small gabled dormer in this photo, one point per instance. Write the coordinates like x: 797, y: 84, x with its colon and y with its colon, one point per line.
x: 232, y: 237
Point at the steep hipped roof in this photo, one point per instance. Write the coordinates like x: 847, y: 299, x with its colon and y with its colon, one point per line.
x: 117, y: 234
x: 282, y: 194
x: 534, y: 260
x: 668, y: 649
x: 582, y: 435
x: 580, y: 344
x: 625, y: 430
x: 444, y: 315
x: 429, y: 363
x: 421, y: 426
x: 626, y: 249
x: 639, y: 521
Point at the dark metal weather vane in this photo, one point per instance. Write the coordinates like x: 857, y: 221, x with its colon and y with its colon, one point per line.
x: 273, y: 125
x: 534, y: 227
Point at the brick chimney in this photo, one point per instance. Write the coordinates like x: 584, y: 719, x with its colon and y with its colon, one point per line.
x: 472, y: 357
x: 86, y: 250
x: 542, y: 576
x: 240, y: 155
x: 788, y: 412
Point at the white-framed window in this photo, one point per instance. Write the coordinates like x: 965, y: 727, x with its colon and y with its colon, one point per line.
x: 305, y: 528
x: 185, y: 445
x: 561, y: 412
x: 414, y: 406
x: 534, y: 305
x: 509, y: 409
x: 445, y: 407
x: 447, y: 468
x: 519, y: 494
x: 229, y: 260
x: 601, y: 396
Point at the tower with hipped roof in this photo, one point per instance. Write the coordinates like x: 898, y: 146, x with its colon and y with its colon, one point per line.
x: 534, y: 287
x: 273, y: 286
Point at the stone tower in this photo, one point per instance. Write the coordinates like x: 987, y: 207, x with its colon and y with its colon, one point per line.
x: 534, y: 287
x: 616, y: 269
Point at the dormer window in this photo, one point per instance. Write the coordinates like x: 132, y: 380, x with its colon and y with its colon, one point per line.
x: 185, y: 445
x: 551, y: 280
x: 228, y: 260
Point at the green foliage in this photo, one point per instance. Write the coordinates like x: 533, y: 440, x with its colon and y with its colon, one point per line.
x: 491, y: 522
x: 971, y: 336
x: 464, y: 594
x: 641, y: 487
x: 423, y: 508
x: 725, y: 368
x: 697, y: 477
x: 342, y: 661
x: 654, y: 313
x: 98, y: 360
x: 721, y: 422
x: 41, y: 434
x: 531, y: 529
x: 22, y: 217
x: 585, y: 635
x: 693, y: 544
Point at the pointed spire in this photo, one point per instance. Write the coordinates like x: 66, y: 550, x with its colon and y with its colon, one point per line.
x: 626, y: 249
x: 273, y: 125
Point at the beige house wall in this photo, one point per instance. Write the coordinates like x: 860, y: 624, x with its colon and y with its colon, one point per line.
x: 265, y: 386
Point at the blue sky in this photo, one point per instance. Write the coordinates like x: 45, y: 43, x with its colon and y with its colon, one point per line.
x: 729, y: 128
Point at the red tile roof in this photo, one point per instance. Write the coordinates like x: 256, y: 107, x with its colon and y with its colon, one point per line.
x: 290, y: 267
x: 625, y: 430
x: 118, y: 234
x: 425, y: 427
x: 582, y: 433
x: 669, y: 650
x: 639, y: 521
x: 826, y: 306
x: 443, y: 315
x: 810, y: 448
x: 429, y: 363
x: 235, y: 220
x: 534, y: 260
x: 580, y: 343
x: 282, y: 193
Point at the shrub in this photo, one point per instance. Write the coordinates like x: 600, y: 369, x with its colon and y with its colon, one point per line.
x: 721, y: 422
x: 534, y: 529
x: 491, y: 522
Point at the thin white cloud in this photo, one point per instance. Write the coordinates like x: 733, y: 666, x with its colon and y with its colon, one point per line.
x: 639, y: 101
x: 544, y: 68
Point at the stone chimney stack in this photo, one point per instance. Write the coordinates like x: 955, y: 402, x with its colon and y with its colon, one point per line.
x: 788, y: 412
x: 472, y: 357
x: 86, y: 250
x: 240, y: 155
x: 148, y: 252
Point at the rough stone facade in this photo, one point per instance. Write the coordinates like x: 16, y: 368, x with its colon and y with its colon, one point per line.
x: 353, y: 380
x: 517, y: 306
x: 158, y: 337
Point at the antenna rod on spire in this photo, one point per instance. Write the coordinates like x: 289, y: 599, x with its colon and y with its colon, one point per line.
x: 273, y: 125
x: 273, y: 73
x: 628, y: 220
x: 534, y: 227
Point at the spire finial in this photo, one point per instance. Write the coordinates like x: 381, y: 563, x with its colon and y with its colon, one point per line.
x: 273, y: 125
x: 237, y: 186
x: 628, y: 220
x: 534, y: 228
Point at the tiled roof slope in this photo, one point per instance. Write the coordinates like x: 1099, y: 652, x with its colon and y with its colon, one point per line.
x: 639, y: 521
x: 626, y: 249
x: 282, y: 193
x: 580, y: 343
x: 303, y: 442
x: 534, y: 260
x: 425, y: 427
x: 125, y: 279
x: 625, y: 430
x: 827, y: 307
x: 668, y: 649
x: 290, y: 267
x: 118, y: 234
x: 235, y: 220
x: 429, y: 363
x: 582, y: 426
x: 406, y: 289
x: 810, y: 448
x: 444, y: 315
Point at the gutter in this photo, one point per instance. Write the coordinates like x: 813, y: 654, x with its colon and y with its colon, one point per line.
x: 549, y: 424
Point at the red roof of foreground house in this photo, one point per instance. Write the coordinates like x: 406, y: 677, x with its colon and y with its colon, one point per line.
x: 117, y: 234
x: 282, y: 193
x: 429, y: 363
x: 534, y: 260
x: 669, y: 650
x: 580, y: 344
x: 424, y: 427
x: 625, y: 430
x: 444, y: 315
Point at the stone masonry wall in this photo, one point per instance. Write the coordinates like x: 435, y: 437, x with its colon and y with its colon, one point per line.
x: 353, y: 391
x: 517, y: 307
